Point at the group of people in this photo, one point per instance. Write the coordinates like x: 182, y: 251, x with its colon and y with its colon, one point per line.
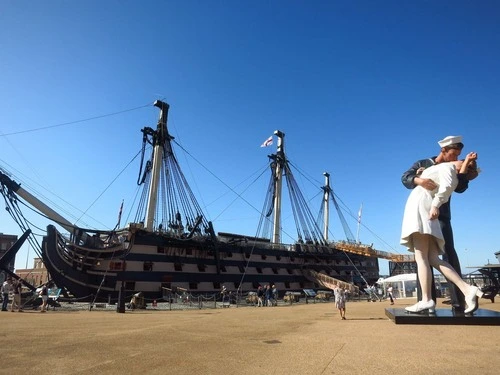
x: 426, y: 227
x: 267, y: 296
x: 15, y: 287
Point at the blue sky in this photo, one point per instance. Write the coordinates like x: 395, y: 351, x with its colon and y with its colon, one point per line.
x: 362, y: 89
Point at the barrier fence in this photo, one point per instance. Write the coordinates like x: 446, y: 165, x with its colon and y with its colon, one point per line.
x: 178, y: 301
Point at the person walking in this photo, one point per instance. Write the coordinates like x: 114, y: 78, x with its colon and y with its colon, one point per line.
x: 260, y: 294
x: 340, y: 300
x: 44, y: 293
x: 274, y: 291
x: 6, y: 286
x: 223, y: 293
x: 16, y: 300
x: 450, y: 149
x: 268, y: 296
x: 389, y: 293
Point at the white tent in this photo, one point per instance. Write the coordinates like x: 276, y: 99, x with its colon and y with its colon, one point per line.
x: 403, y: 285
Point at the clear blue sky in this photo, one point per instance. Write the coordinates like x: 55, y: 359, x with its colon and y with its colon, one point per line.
x: 362, y: 89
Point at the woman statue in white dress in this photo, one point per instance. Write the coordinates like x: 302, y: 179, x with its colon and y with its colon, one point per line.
x: 422, y: 234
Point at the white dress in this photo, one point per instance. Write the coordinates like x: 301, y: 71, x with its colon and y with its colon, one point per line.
x: 339, y: 298
x: 419, y: 203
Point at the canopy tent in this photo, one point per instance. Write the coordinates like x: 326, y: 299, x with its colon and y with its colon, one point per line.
x: 403, y: 285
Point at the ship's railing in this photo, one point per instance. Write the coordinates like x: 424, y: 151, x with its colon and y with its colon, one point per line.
x: 181, y: 301
x: 368, y: 250
x: 330, y: 282
x: 74, y: 254
x: 68, y: 253
x: 99, y: 241
x: 266, y: 245
x: 351, y: 247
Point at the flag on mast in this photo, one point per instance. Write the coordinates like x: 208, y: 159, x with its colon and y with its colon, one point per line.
x: 267, y: 142
x: 120, y: 215
x: 359, y: 222
x: 359, y: 213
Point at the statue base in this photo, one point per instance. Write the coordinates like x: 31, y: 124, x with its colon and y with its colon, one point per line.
x: 444, y: 317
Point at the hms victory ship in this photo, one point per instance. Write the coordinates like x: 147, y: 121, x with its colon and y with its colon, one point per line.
x: 171, y: 244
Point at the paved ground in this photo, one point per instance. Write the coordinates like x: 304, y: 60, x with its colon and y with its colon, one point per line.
x: 299, y: 339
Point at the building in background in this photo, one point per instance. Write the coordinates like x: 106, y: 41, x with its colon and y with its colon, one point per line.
x: 37, y: 275
x: 400, y: 268
x: 6, y: 242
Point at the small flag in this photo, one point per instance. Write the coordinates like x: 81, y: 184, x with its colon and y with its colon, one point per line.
x: 120, y: 215
x: 359, y: 213
x: 267, y: 142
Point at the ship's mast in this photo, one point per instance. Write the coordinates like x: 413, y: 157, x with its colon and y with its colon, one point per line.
x: 326, y: 202
x: 280, y: 159
x: 159, y: 139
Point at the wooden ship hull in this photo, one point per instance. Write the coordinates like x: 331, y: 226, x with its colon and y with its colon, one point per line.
x: 153, y: 263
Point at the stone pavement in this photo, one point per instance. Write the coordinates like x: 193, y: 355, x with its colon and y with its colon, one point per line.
x: 299, y: 339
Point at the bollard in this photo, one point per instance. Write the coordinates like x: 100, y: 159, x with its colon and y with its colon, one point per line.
x: 120, y: 307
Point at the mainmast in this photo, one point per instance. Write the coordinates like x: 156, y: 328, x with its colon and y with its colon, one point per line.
x: 280, y: 160
x: 308, y: 230
x: 326, y: 202
x: 159, y: 139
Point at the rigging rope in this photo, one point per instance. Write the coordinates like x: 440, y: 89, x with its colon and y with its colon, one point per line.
x: 76, y: 121
x: 107, y: 187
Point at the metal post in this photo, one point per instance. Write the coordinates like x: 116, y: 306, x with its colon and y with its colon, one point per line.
x: 120, y: 308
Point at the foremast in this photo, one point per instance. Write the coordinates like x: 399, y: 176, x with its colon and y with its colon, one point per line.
x: 167, y: 204
x: 278, y: 186
x: 326, y: 202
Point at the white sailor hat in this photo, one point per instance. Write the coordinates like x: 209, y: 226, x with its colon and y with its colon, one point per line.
x: 450, y: 140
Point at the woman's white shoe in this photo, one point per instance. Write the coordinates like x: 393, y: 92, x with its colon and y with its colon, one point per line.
x: 471, y: 299
x: 422, y: 306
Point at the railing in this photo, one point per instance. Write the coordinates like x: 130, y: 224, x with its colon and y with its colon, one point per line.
x: 329, y: 282
x: 175, y: 302
x: 368, y: 250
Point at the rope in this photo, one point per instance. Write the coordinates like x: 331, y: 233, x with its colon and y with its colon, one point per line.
x: 76, y: 121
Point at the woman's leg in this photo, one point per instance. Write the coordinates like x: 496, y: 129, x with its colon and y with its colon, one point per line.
x: 445, y: 268
x: 421, y: 247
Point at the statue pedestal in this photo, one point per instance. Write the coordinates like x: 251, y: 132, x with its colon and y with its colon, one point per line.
x: 444, y: 317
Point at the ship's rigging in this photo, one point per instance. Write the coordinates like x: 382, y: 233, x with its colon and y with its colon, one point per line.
x: 170, y: 229
x: 167, y: 203
x: 173, y: 207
